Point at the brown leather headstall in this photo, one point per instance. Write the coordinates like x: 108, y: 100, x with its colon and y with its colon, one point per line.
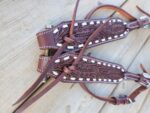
x: 64, y: 61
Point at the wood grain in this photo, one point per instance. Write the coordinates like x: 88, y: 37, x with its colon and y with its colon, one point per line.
x: 21, y: 20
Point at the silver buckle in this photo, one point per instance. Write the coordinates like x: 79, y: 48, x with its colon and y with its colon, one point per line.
x: 146, y: 82
x: 145, y: 18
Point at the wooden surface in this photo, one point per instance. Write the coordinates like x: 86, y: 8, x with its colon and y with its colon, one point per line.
x: 20, y: 20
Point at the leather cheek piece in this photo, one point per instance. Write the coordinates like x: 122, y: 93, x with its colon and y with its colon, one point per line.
x: 95, y: 69
x: 89, y: 69
x: 54, y: 38
x: 116, y: 29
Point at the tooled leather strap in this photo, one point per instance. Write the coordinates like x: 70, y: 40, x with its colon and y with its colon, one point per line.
x: 127, y: 75
x: 48, y: 39
x: 130, y: 17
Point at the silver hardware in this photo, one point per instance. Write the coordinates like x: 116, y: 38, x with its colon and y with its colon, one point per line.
x: 145, y: 18
x: 146, y: 75
x: 146, y: 81
x: 146, y: 27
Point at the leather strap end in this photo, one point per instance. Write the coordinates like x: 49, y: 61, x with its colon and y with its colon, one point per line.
x: 47, y: 41
x: 122, y: 100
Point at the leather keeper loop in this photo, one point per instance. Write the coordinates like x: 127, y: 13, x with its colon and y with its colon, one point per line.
x: 67, y: 70
x: 122, y: 100
x: 141, y: 78
x: 69, y: 40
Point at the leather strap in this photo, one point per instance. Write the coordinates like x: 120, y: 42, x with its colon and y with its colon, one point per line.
x: 48, y: 40
x: 98, y: 29
x: 124, y: 99
x: 31, y: 100
x: 114, y: 100
x: 137, y: 23
x: 115, y: 8
x: 140, y: 9
x: 43, y: 75
x: 33, y: 93
x: 98, y: 97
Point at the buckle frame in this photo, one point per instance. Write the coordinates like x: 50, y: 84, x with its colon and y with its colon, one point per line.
x: 126, y: 99
x: 146, y: 81
x: 145, y: 18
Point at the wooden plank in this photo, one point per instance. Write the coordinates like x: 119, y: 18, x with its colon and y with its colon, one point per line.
x: 145, y: 107
x: 20, y: 21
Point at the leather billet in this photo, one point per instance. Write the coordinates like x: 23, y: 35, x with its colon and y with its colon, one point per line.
x: 69, y: 40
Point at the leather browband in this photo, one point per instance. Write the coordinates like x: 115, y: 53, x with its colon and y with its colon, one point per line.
x: 70, y: 39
